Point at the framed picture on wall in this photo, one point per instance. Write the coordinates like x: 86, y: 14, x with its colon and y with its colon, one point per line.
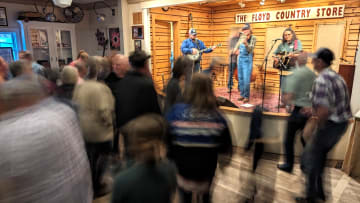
x: 138, y: 32
x: 137, y: 45
x: 3, y: 17
x: 114, y: 36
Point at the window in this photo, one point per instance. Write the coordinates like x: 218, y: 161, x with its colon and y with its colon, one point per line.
x: 8, y: 39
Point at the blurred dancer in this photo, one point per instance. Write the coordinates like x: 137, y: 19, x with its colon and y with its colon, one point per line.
x: 82, y: 57
x: 135, y: 94
x: 20, y: 67
x: 198, y: 133
x: 245, y: 47
x: 120, y: 66
x: 96, y: 108
x: 36, y: 68
x: 82, y: 70
x: 296, y: 94
x: 330, y: 112
x: 44, y: 159
x: 176, y: 86
x: 152, y: 179
x: 69, y: 77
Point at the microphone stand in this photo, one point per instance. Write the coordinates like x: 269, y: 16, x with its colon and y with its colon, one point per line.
x: 231, y: 70
x: 266, y: 60
x: 282, y: 66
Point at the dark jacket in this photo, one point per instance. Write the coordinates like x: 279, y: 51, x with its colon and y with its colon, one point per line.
x: 111, y: 81
x: 65, y: 91
x: 135, y: 95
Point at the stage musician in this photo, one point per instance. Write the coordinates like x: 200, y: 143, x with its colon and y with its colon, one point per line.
x: 245, y: 46
x: 290, y: 48
x: 287, y: 51
x: 235, y: 35
x: 193, y: 46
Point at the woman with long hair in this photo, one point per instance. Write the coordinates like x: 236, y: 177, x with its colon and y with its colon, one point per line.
x: 152, y: 179
x: 176, y: 85
x: 290, y: 46
x: 197, y: 134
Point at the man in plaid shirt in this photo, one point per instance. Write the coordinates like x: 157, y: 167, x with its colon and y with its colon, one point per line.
x: 331, y: 112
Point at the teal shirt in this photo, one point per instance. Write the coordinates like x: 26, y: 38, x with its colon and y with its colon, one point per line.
x: 285, y: 47
x: 144, y: 183
x: 300, y: 84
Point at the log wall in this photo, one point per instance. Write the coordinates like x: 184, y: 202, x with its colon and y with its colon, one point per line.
x: 214, y: 23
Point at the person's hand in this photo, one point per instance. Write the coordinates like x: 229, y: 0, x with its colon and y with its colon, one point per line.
x: 245, y: 42
x: 194, y: 51
x: 237, y: 52
x: 276, y: 60
x: 213, y: 47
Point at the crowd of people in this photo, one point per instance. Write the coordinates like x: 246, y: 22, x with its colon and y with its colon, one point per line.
x: 61, y: 132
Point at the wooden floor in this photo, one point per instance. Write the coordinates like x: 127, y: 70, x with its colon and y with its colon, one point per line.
x: 235, y: 183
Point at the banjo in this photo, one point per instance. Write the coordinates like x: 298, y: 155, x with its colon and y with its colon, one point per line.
x: 196, y: 57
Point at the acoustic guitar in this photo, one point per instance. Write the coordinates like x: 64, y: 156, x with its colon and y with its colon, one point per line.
x: 287, y: 60
x: 196, y: 57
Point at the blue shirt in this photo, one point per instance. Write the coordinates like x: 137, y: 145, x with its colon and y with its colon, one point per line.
x: 188, y: 44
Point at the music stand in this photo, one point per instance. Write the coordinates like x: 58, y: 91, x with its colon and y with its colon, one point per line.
x: 266, y: 60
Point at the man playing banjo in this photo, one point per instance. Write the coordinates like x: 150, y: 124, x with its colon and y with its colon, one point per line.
x: 194, y: 48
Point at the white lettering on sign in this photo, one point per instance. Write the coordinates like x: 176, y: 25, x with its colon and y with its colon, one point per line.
x: 292, y: 14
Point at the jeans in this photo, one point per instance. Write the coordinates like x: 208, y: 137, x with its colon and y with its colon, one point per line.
x: 296, y: 122
x: 244, y: 75
x: 314, y: 157
x: 232, y: 67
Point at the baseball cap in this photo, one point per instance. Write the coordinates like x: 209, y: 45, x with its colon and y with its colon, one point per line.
x: 324, y: 54
x: 192, y: 31
x: 246, y: 26
x: 138, y: 58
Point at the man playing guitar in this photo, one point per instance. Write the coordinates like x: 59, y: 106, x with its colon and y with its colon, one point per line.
x: 192, y: 45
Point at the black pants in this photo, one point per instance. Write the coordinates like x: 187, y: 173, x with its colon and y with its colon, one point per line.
x: 296, y: 122
x: 314, y: 157
x: 98, y: 154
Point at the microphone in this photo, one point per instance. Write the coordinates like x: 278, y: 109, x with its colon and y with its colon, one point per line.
x: 277, y: 39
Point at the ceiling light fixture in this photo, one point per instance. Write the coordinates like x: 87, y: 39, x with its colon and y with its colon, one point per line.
x: 262, y: 2
x: 281, y: 1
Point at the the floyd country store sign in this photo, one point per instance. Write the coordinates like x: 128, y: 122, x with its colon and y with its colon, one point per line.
x: 292, y: 14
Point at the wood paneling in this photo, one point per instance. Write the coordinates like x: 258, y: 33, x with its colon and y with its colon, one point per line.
x: 137, y: 18
x: 214, y: 20
x: 160, y: 33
